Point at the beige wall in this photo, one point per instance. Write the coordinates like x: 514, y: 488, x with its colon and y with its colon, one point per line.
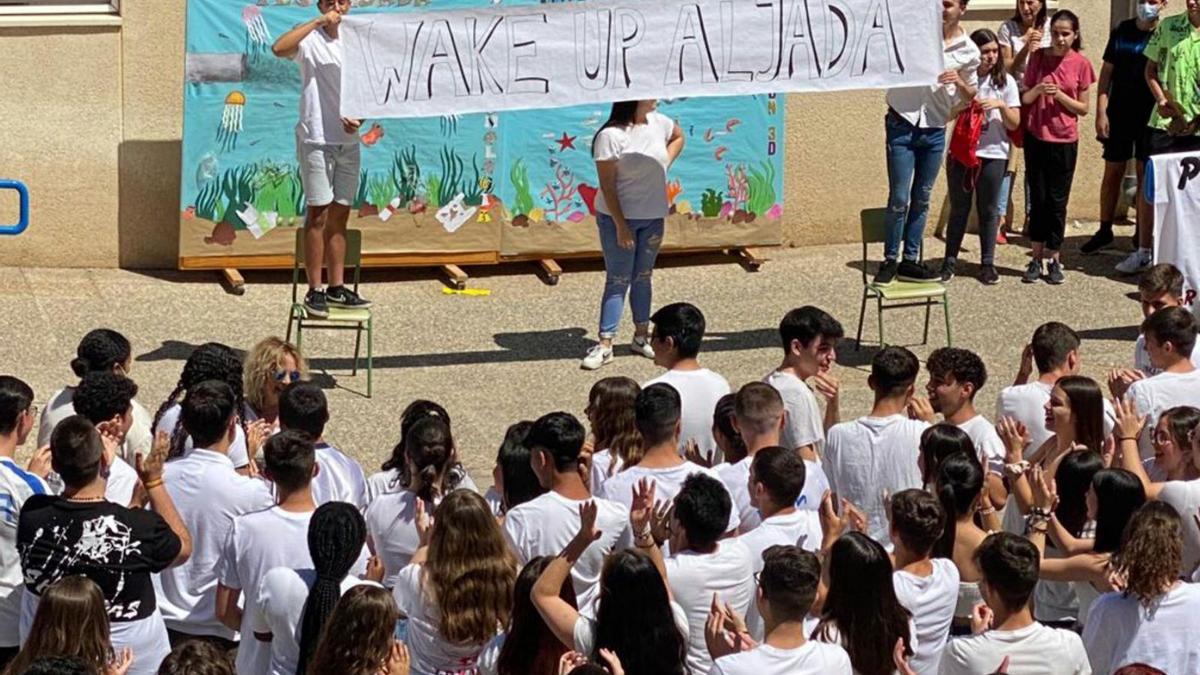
x: 92, y: 122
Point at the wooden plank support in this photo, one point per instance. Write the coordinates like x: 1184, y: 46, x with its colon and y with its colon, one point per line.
x: 551, y: 272
x: 750, y: 258
x: 233, y: 280
x: 455, y: 276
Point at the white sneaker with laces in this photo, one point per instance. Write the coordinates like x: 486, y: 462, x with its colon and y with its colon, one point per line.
x: 1136, y: 262
x: 641, y: 347
x: 597, y: 356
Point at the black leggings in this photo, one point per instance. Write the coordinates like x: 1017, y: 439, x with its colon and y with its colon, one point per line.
x: 1051, y: 170
x: 986, y: 195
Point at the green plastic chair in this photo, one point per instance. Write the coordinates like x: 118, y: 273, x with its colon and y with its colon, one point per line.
x: 898, y: 294
x: 357, y: 320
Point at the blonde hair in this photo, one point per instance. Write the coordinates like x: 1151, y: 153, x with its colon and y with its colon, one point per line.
x: 258, y: 373
x: 470, y: 570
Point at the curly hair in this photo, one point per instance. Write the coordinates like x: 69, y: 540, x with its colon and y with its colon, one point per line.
x: 470, y: 571
x: 100, y: 350
x: 358, y: 635
x: 103, y: 395
x: 1151, y: 552
x: 263, y: 361
x: 964, y: 365
x: 70, y: 621
x: 197, y: 657
x: 614, y: 424
x: 210, y: 361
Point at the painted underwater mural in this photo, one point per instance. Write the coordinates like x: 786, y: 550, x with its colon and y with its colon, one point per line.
x: 514, y: 183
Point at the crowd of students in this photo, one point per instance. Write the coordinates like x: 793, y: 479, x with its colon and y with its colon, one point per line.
x: 682, y: 527
x: 1015, y: 98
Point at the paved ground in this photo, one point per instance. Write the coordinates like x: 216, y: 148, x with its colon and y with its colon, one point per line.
x: 495, y: 360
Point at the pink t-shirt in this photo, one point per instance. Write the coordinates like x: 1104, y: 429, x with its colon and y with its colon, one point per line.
x: 1047, y: 119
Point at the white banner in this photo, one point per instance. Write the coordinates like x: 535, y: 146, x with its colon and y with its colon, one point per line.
x: 508, y: 57
x: 1175, y: 190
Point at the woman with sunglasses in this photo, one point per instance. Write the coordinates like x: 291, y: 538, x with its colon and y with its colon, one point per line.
x: 272, y: 365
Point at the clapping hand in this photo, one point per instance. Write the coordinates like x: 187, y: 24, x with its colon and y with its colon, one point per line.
x: 725, y: 631
x: 120, y: 662
x: 398, y: 661
x: 1044, y: 494
x: 40, y: 464
x: 375, y: 571
x: 691, y: 453
x: 833, y: 524
x: 570, y: 661
x: 1129, y: 422
x: 981, y: 618
x: 423, y: 521
x: 150, y: 469
x: 1015, y: 437
x: 1119, y: 380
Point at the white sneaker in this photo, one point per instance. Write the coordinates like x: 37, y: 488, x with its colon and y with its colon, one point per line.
x: 641, y: 347
x: 597, y: 356
x: 1136, y: 262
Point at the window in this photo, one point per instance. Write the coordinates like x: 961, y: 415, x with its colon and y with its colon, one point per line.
x: 51, y: 8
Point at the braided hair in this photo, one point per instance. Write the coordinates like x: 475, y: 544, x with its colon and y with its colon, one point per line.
x: 100, y: 350
x: 210, y: 361
x: 336, y: 535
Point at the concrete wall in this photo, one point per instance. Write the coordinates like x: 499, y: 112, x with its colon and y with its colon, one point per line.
x: 93, y: 120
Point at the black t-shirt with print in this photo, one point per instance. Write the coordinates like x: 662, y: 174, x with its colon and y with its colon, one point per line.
x: 1130, y: 101
x: 114, y: 546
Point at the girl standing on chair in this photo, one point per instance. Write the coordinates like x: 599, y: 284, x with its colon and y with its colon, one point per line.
x: 633, y: 151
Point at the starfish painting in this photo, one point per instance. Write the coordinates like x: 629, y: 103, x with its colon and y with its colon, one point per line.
x: 566, y: 142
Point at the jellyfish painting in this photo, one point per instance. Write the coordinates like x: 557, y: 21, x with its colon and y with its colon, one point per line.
x: 257, y: 35
x: 231, y: 120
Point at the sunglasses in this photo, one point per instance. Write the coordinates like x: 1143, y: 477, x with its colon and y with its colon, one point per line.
x: 287, y: 375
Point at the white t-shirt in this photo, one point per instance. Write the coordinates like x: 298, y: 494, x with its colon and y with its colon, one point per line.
x: 237, y: 450
x: 696, y: 577
x: 16, y: 485
x: 122, y: 481
x: 1184, y: 495
x: 993, y: 141
x: 1012, y: 34
x: 929, y: 106
x: 1033, y: 650
x: 799, y: 528
x: 1162, y: 392
x: 932, y: 601
x: 62, y: 405
x: 737, y: 478
x: 257, y: 543
x: 1121, y: 631
x: 320, y: 60
x: 388, y: 482
x: 392, y: 528
x: 340, y: 479
x: 869, y: 456
x: 602, y: 464
x: 281, y: 598
x: 699, y: 391
x: 1141, y: 358
x: 987, y: 442
x: 804, y: 423
x: 430, y: 653
x: 585, y: 629
x: 811, y: 658
x: 545, y: 525
x: 1176, y: 211
x: 208, y: 494
x: 640, y: 151
x: 667, y: 482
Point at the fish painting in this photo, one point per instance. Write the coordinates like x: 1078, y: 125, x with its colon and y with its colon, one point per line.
x: 720, y: 153
x: 373, y: 135
x: 206, y: 170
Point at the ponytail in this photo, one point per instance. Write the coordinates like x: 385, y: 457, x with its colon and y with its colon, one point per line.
x: 429, y: 449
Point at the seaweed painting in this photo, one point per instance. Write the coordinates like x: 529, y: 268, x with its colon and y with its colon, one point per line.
x: 237, y: 186
x: 523, y: 202
x: 406, y: 174
x: 762, y: 189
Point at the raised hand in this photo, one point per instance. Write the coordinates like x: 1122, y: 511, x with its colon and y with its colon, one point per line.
x: 150, y: 469
x: 423, y: 521
x: 827, y: 386
x: 691, y: 453
x: 833, y: 525
x: 641, y: 511
x: 112, y: 437
x: 1119, y: 380
x: 257, y: 433
x: 120, y: 662
x: 1015, y: 437
x: 1044, y: 494
x: 570, y: 661
x: 398, y: 661
x: 660, y: 522
x: 40, y: 464
x: 611, y: 661
x: 919, y: 408
x: 981, y: 618
x: 375, y: 571
x: 1129, y: 422
x: 587, y: 523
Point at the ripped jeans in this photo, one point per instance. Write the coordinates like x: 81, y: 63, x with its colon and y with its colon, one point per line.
x: 627, y: 270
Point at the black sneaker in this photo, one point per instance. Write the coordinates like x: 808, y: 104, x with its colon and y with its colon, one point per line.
x: 989, y: 276
x: 1054, y: 273
x: 316, y: 304
x: 913, y: 271
x: 886, y: 273
x: 947, y: 272
x: 1033, y: 271
x: 1099, y: 241
x: 340, y: 296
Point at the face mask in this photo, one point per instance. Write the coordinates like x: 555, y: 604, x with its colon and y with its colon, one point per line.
x: 1147, y: 12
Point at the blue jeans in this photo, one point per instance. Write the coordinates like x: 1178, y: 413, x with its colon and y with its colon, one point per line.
x: 627, y: 271
x: 914, y: 158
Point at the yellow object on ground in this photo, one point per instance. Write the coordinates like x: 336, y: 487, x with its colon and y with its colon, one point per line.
x: 472, y: 292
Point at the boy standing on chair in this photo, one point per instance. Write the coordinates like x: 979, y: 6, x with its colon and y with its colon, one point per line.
x: 327, y: 146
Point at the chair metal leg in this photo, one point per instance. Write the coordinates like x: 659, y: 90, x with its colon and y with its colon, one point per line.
x: 357, y: 343
x: 291, y: 318
x: 370, y: 356
x: 946, y: 312
x: 882, y: 341
x: 300, y: 335
x: 928, y: 309
x: 862, y: 314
